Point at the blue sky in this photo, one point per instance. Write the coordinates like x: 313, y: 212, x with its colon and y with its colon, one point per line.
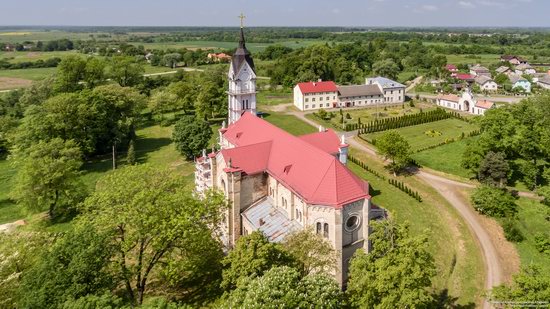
x: 500, y: 13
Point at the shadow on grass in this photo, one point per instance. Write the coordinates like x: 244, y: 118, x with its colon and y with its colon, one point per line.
x: 149, y: 144
x: 442, y: 299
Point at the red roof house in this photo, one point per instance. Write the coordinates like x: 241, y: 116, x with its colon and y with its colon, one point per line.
x: 465, y: 77
x: 451, y: 68
x: 313, y: 87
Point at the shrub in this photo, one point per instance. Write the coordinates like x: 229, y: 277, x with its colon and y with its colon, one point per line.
x: 542, y: 243
x: 511, y: 231
x: 494, y: 202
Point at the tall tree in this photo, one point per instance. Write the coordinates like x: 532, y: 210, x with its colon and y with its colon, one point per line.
x: 530, y: 285
x: 313, y: 253
x: 191, y: 136
x: 70, y: 71
x: 126, y: 71
x: 494, y: 169
x: 395, y: 274
x: 48, y: 176
x: 494, y: 202
x: 94, y: 72
x: 162, y: 101
x: 283, y: 287
x: 252, y: 256
x: 154, y: 222
x: 395, y: 147
x: 386, y: 68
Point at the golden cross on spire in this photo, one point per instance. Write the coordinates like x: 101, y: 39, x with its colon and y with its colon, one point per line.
x: 242, y: 17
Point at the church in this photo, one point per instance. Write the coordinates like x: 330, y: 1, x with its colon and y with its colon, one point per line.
x: 279, y: 183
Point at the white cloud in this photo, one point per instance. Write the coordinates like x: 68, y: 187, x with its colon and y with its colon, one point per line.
x: 429, y: 7
x: 466, y: 4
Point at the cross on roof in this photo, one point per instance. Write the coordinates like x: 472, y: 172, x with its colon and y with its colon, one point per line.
x: 242, y: 17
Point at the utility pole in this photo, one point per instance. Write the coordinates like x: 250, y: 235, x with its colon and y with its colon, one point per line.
x: 114, y: 155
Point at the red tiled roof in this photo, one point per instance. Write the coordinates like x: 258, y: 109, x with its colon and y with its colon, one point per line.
x: 484, y: 104
x: 310, y: 87
x: 327, y: 141
x: 302, y: 165
x: 449, y: 97
x: 451, y: 67
x: 464, y: 76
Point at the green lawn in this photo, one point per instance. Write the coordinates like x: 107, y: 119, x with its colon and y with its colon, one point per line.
x: 31, y: 74
x: 272, y: 97
x: 8, y: 210
x: 459, y: 264
x: 289, y: 123
x: 418, y: 136
x: 446, y: 158
x: 532, y: 220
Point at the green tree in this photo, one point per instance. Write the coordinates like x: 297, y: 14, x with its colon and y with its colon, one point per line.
x: 126, y: 71
x: 312, y: 253
x: 171, y: 60
x: 501, y: 79
x: 283, y: 287
x: 386, y: 68
x: 155, y: 224
x: 162, y: 101
x: 252, y: 256
x: 19, y: 251
x: 530, y: 285
x: 395, y: 147
x: 191, y: 135
x: 70, y: 71
x: 494, y: 169
x: 494, y: 202
x: 186, y: 93
x: 395, y: 274
x: 48, y: 177
x: 94, y: 72
x: 76, y: 264
x: 131, y: 154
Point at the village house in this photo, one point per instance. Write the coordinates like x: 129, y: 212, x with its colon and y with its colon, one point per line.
x: 519, y: 82
x: 360, y: 95
x: 465, y: 77
x: 512, y: 59
x: 452, y: 69
x: 486, y: 83
x: 221, y: 57
x: 544, y: 82
x: 525, y: 69
x: 465, y: 103
x: 503, y: 70
x: 315, y: 95
x: 394, y: 92
x: 278, y: 183
x: 478, y: 70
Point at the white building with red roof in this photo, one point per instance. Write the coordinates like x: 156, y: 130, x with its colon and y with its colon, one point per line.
x: 465, y: 103
x: 278, y: 183
x: 315, y: 95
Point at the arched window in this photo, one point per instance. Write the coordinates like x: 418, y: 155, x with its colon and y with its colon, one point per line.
x: 318, y: 231
x: 297, y: 214
x: 282, y: 201
x: 300, y: 216
x: 325, y: 230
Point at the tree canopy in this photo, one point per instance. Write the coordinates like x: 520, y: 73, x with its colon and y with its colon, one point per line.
x: 191, y: 135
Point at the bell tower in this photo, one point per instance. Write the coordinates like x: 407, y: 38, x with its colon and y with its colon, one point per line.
x: 242, y: 81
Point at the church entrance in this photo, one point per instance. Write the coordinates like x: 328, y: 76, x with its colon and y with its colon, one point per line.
x: 467, y: 105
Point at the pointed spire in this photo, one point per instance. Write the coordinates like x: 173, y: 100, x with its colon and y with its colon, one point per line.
x: 241, y: 38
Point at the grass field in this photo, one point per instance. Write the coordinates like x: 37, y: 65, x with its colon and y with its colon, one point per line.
x: 446, y: 158
x: 218, y: 45
x: 418, y: 137
x: 23, y: 56
x: 22, y: 35
x: 532, y: 220
x: 289, y: 123
x: 270, y: 97
x: 459, y: 266
x: 8, y: 210
x: 30, y: 74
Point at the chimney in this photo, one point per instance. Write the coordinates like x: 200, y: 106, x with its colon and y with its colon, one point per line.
x: 321, y: 129
x: 343, y: 150
x: 314, y: 84
x: 320, y: 80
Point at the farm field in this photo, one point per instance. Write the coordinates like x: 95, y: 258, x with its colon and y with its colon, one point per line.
x: 220, y: 45
x: 31, y: 74
x: 433, y: 133
x: 459, y: 266
x: 22, y: 35
x: 23, y: 56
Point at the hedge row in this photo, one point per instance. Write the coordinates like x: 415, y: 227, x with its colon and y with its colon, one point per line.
x: 364, y: 166
x: 403, y: 187
x: 404, y: 121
